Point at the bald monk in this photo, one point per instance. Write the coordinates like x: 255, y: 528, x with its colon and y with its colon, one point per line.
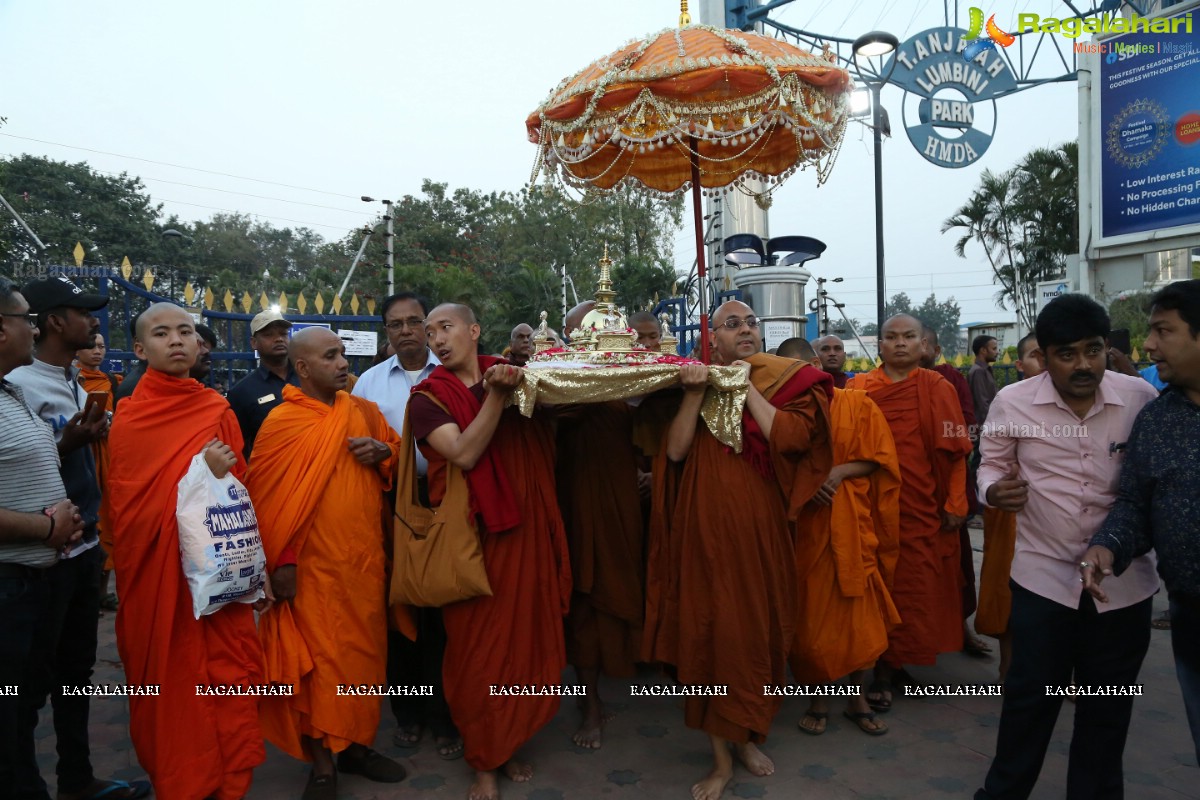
x: 1000, y: 541
x: 847, y: 540
x: 648, y: 329
x: 515, y: 636
x: 192, y: 746
x: 972, y: 644
x: 721, y: 577
x: 927, y: 424
x: 601, y: 509
x: 321, y: 463
x: 520, y: 345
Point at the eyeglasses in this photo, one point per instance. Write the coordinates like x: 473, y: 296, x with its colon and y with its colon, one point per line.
x: 30, y: 318
x: 415, y: 323
x: 733, y: 323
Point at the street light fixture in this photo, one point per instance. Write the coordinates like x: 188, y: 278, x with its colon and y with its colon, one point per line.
x: 391, y: 261
x: 877, y: 44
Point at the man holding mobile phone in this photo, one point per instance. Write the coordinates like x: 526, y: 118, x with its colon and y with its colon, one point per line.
x: 64, y: 649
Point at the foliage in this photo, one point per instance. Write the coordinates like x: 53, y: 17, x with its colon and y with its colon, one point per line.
x: 503, y: 253
x: 110, y: 215
x: 942, y: 316
x: 1132, y: 311
x: 1026, y: 220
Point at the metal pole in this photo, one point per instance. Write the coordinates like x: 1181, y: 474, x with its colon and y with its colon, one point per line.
x: 698, y: 220
x: 28, y: 230
x: 563, y: 328
x: 880, y: 288
x: 361, y: 248
x: 391, y: 249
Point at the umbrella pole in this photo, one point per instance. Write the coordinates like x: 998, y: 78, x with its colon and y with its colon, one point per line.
x: 701, y: 275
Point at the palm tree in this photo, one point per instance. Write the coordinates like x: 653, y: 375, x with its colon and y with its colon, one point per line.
x: 1026, y: 221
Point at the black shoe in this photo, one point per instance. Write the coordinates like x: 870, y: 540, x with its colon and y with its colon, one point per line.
x: 371, y: 765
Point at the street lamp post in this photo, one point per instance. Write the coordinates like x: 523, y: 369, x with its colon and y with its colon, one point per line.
x: 878, y: 44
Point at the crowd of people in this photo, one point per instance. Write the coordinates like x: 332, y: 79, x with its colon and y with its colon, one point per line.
x: 610, y: 534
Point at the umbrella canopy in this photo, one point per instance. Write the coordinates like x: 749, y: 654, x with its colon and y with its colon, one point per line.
x: 735, y: 104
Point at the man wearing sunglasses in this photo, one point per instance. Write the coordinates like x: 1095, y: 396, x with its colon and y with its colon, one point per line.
x: 721, y: 578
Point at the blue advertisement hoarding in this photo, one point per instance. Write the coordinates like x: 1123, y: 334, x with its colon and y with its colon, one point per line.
x: 1150, y: 132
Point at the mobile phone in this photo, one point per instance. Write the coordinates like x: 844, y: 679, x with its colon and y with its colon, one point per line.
x: 94, y: 399
x: 1120, y: 340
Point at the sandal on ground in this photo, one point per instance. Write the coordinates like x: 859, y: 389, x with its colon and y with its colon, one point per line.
x: 976, y: 647
x: 450, y: 748
x: 320, y: 787
x: 1162, y: 622
x: 114, y: 790
x: 881, y: 704
x: 407, y: 737
x: 861, y: 718
x: 109, y: 602
x: 819, y: 716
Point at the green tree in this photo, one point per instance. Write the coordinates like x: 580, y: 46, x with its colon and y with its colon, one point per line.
x: 110, y: 215
x: 1026, y: 220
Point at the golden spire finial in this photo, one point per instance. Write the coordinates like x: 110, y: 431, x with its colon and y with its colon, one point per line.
x: 685, y: 18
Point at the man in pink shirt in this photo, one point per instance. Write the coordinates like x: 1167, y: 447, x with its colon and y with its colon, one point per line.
x: 1051, y: 451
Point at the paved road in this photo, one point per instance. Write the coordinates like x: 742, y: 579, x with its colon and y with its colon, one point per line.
x: 937, y: 747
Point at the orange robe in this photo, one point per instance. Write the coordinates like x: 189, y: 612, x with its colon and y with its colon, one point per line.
x: 721, y: 575
x: 192, y: 746
x: 995, y: 596
x: 316, y: 502
x: 846, y: 553
x: 515, y: 636
x: 601, y: 509
x: 93, y: 380
x: 926, y: 420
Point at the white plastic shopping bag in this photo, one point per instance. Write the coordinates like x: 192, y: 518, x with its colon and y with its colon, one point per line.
x: 219, y: 542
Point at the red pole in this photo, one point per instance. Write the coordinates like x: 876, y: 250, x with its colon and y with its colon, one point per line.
x: 698, y: 219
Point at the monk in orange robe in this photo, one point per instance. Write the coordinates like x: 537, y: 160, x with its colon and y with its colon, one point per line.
x: 847, y: 542
x: 95, y: 381
x: 1000, y: 540
x: 932, y: 442
x: 321, y: 463
x: 515, y: 636
x: 721, y: 575
x: 193, y: 746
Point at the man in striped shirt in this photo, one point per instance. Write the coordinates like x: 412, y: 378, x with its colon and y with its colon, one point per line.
x: 37, y: 522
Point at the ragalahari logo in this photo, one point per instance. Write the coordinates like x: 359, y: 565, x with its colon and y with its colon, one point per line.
x: 995, y: 35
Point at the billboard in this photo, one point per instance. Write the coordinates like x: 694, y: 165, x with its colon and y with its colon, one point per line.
x: 1149, y: 132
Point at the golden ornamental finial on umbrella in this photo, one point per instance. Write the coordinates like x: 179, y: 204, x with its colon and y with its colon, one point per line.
x: 740, y: 105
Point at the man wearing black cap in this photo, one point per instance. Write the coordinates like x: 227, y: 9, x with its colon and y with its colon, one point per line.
x: 253, y: 397
x: 64, y: 649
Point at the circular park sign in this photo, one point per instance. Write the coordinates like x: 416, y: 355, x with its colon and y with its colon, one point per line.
x: 950, y: 92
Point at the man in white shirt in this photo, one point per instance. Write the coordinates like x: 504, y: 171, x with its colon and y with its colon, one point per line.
x: 418, y: 663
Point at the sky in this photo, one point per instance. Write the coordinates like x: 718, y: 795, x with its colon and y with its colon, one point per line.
x: 293, y: 111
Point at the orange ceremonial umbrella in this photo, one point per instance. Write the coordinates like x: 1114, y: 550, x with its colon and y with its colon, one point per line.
x: 694, y: 107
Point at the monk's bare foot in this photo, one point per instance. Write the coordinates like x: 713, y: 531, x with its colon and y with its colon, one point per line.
x: 517, y: 771
x: 591, y: 730
x: 485, y: 787
x: 713, y: 786
x: 754, y: 759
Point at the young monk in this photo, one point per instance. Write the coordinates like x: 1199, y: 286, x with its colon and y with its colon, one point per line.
x: 515, y: 636
x: 721, y: 576
x: 193, y: 745
x: 321, y: 463
x: 847, y: 540
x: 96, y: 381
